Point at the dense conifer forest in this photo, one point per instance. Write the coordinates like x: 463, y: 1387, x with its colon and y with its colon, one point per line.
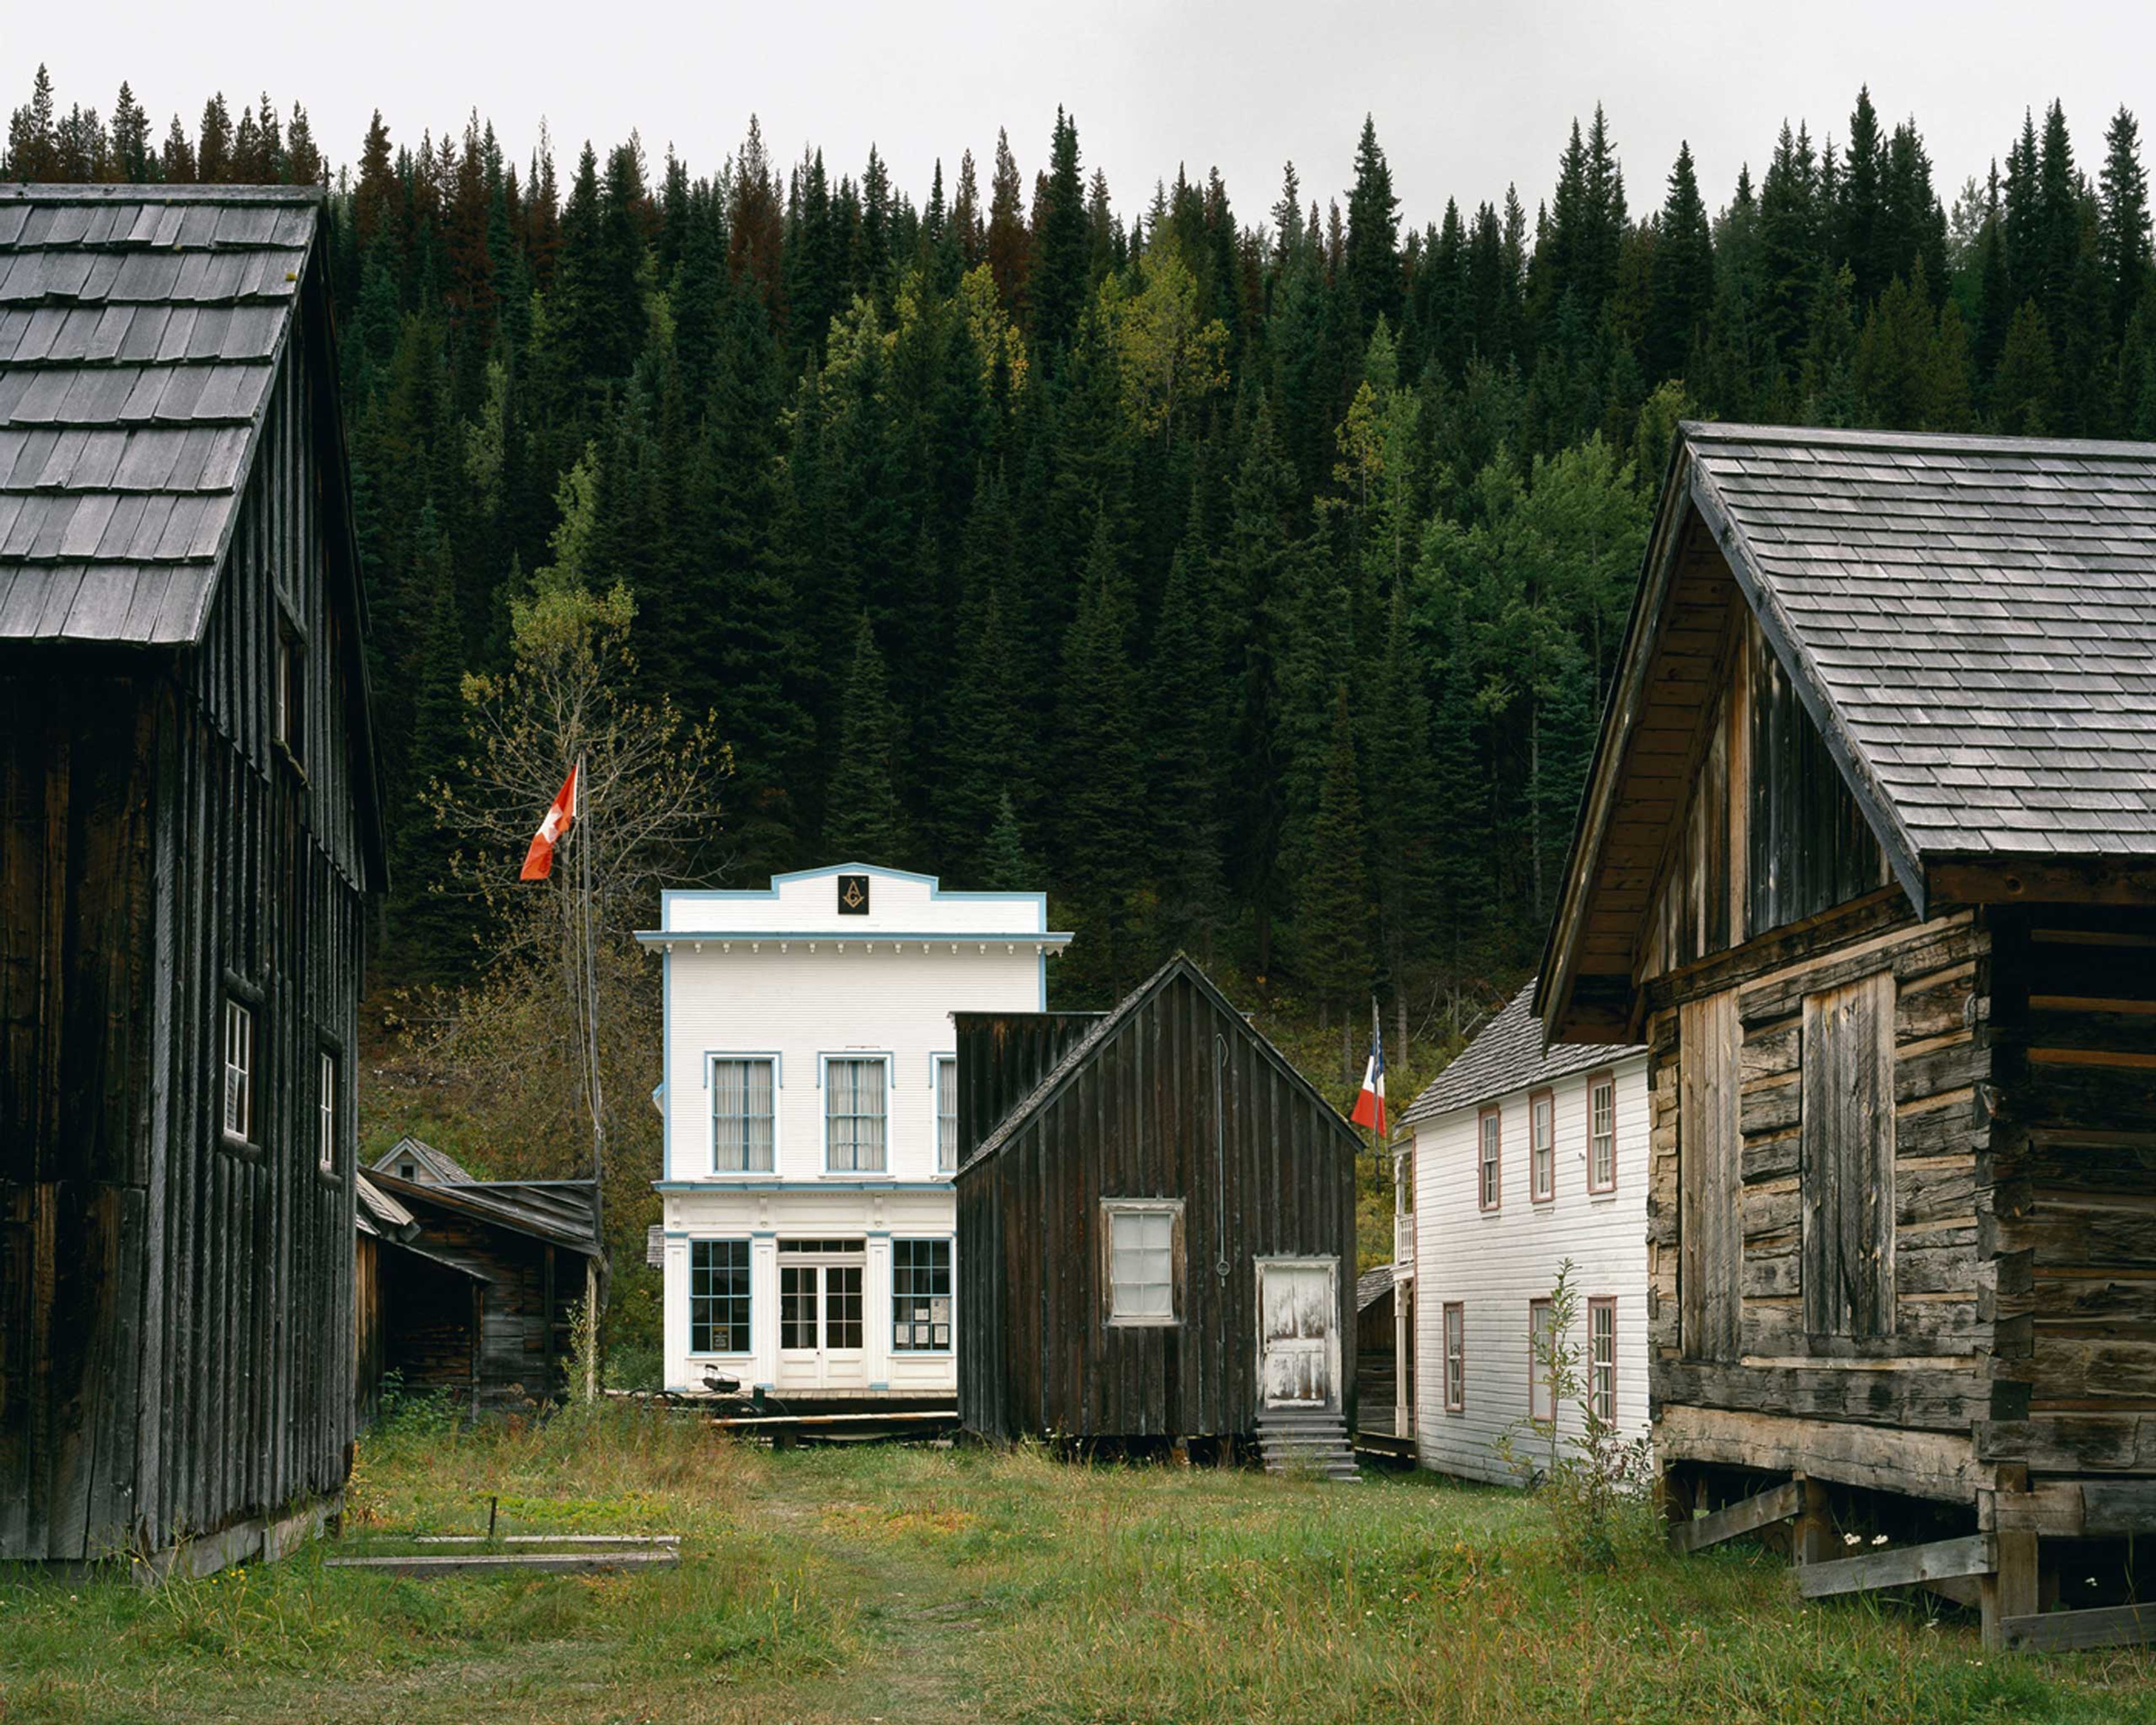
x: 1247, y: 572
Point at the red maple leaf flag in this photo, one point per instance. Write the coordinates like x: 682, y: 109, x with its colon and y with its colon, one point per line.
x: 539, y: 860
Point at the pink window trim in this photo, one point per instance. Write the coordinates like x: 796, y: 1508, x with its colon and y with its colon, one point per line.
x: 1609, y: 1077
x: 1535, y: 1196
x: 1494, y: 1198
x: 1536, y: 1308
x: 1453, y: 1309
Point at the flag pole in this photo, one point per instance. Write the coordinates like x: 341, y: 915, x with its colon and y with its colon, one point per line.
x: 594, y: 1282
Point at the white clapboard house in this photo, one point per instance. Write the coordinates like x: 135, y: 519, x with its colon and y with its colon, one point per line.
x: 1521, y: 1159
x: 809, y: 1096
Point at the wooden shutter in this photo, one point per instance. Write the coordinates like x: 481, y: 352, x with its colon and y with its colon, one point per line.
x: 1847, y: 1142
x: 1710, y: 1184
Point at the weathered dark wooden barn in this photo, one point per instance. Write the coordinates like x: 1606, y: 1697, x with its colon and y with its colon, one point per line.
x: 475, y: 1298
x: 1868, y: 859
x: 189, y: 829
x: 1157, y: 1241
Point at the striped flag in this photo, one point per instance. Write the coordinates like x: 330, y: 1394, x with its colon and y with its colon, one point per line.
x: 1370, y: 1105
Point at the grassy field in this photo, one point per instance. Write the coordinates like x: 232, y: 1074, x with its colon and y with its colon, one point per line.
x: 905, y: 1584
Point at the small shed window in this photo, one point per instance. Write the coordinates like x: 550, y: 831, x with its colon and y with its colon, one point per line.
x: 1144, y: 1239
x: 921, y: 1296
x: 1542, y: 1377
x: 238, y: 1070
x: 1602, y: 1133
x: 1455, y: 1358
x: 853, y: 1116
x: 947, y: 1113
x: 325, y: 1105
x: 1490, y: 1189
x: 741, y: 1141
x: 1541, y: 1122
x: 718, y: 1296
x: 1602, y: 1360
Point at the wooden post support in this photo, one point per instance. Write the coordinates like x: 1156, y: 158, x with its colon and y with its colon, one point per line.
x: 1775, y: 1504
x: 1811, y: 1538
x: 2010, y: 1590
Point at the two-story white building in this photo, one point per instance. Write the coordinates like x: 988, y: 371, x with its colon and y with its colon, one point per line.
x: 1520, y: 1159
x: 810, y: 1131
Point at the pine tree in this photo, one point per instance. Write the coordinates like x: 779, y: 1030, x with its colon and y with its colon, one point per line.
x: 213, y: 152
x: 1005, y: 867
x: 2058, y: 223
x: 1009, y: 248
x: 1683, y: 274
x: 1373, y: 258
x: 865, y: 820
x: 2024, y: 390
x: 2123, y: 234
x: 33, y: 152
x: 1856, y: 205
x: 1186, y: 715
x: 1332, y: 897
x: 1789, y: 240
x: 1059, y: 276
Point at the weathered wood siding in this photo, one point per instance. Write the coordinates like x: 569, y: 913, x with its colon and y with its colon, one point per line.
x: 177, y: 1315
x: 2069, y: 1205
x: 1271, y: 1173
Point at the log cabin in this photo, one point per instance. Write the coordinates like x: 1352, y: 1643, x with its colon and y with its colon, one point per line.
x: 1157, y: 1240
x: 190, y: 830
x: 1867, y: 859
x: 468, y: 1288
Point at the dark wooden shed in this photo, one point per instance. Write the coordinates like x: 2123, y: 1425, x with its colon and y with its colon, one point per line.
x: 189, y: 830
x: 477, y: 1297
x: 1157, y: 1242
x: 1867, y: 858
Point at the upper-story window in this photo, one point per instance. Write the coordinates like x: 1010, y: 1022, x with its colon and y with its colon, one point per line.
x: 1602, y: 1133
x: 742, y: 1138
x: 1542, y: 1125
x: 1490, y: 1186
x: 854, y: 1115
x: 290, y: 695
x: 325, y: 1105
x: 947, y: 1113
x: 238, y: 1070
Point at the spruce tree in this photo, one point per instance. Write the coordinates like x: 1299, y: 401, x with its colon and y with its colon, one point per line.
x: 2024, y: 388
x: 1005, y: 865
x: 1332, y: 893
x: 2123, y: 232
x: 1373, y: 251
x: 864, y: 820
x: 1855, y: 213
x: 1683, y: 274
x: 1060, y: 274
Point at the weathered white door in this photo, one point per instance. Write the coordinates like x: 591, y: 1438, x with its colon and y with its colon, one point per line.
x: 1298, y: 1332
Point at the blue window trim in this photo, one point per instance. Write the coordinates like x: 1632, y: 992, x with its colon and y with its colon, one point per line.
x: 951, y: 1241
x: 937, y: 1062
x: 695, y: 1240
x: 712, y: 1171
x: 823, y: 1113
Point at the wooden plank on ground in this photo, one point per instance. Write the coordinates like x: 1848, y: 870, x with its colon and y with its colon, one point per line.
x: 1942, y: 1559
x: 432, y: 1565
x: 1777, y: 1505
x: 2098, y: 1626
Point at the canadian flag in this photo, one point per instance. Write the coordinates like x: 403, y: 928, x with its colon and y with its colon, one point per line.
x: 539, y: 860
x: 1370, y: 1105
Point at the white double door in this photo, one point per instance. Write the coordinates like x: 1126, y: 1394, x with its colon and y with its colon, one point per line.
x: 821, y: 1338
x: 1299, y: 1331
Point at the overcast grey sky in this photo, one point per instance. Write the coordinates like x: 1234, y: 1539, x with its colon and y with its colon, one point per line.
x: 1467, y: 97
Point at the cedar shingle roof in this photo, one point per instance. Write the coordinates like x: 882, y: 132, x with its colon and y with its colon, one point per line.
x: 1506, y: 1056
x: 1979, y: 613
x: 140, y: 328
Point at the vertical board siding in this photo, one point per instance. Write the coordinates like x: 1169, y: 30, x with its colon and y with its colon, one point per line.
x: 1847, y: 1153
x: 175, y: 1318
x: 1710, y: 1147
x: 1136, y: 1119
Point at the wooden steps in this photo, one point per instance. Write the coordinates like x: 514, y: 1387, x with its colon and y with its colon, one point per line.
x: 1314, y: 1440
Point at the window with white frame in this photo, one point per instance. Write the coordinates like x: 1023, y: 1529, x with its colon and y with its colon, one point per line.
x: 741, y: 1141
x: 1489, y: 1189
x: 1602, y: 1360
x: 718, y: 1296
x: 1602, y: 1133
x: 1144, y: 1241
x: 853, y: 1116
x: 238, y: 1070
x: 325, y: 1105
x: 947, y: 1113
x: 921, y: 1296
x: 1542, y: 1338
x: 1455, y: 1358
x: 1542, y: 1125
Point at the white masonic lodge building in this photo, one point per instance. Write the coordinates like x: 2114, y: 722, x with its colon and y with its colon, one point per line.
x: 810, y: 1132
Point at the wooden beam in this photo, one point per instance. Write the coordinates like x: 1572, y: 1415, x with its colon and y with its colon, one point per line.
x: 431, y: 1566
x: 1921, y: 1464
x: 1943, y: 1559
x: 1777, y: 1505
x: 2096, y: 880
x: 2099, y: 1626
x: 2054, y: 1510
